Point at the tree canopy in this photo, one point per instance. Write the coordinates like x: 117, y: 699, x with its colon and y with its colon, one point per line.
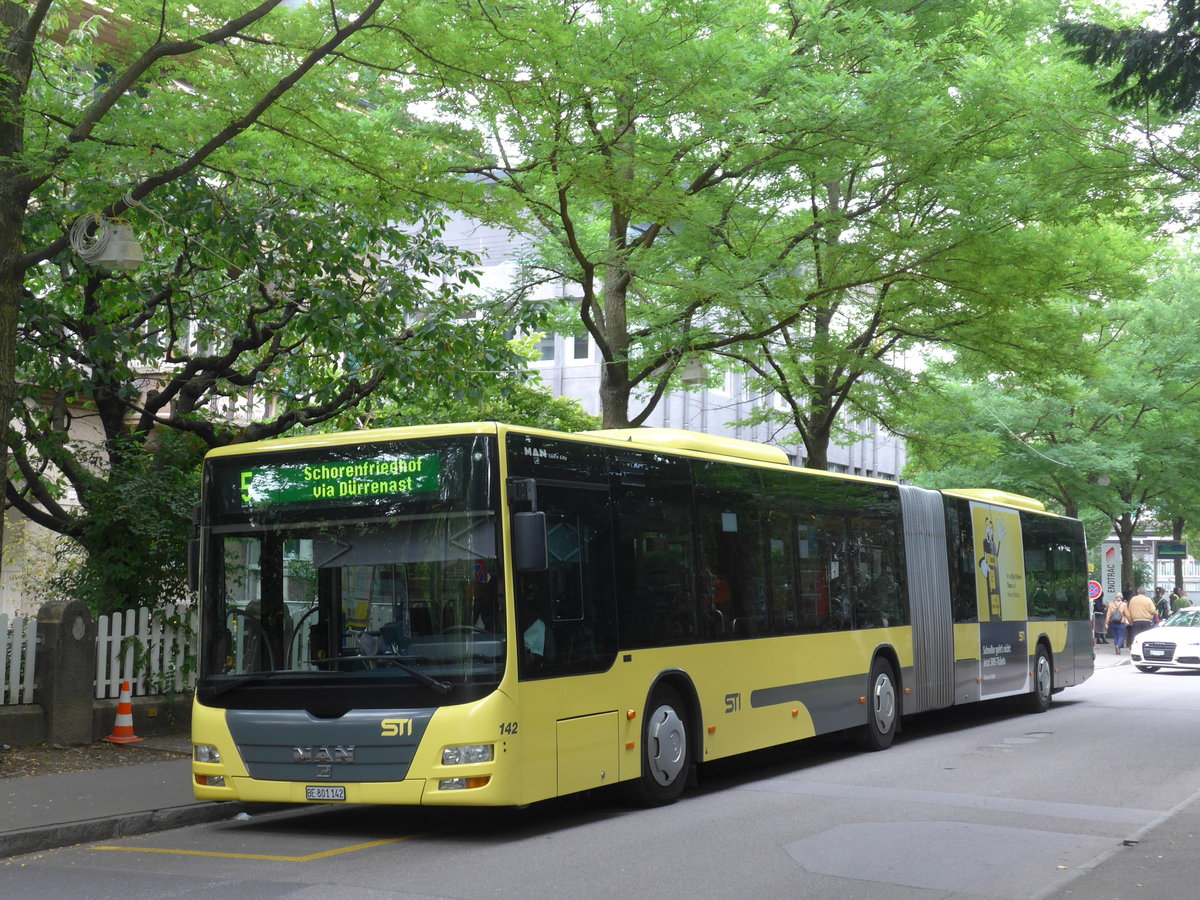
x: 705, y: 176
x: 1115, y: 441
x: 291, y: 269
x: 809, y: 190
x: 1150, y: 66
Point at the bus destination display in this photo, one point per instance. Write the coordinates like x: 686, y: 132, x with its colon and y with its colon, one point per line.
x: 380, y: 478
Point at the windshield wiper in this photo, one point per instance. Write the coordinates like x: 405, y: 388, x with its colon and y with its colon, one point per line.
x: 244, y: 680
x: 442, y: 687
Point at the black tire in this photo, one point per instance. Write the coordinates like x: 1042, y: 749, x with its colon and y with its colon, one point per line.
x: 883, y: 706
x: 1147, y: 668
x: 666, y: 751
x: 1043, y: 681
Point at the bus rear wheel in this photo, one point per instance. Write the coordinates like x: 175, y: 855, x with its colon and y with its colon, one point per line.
x: 1043, y: 681
x: 666, y: 754
x: 883, y: 706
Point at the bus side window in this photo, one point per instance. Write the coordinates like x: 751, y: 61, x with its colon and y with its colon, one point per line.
x: 781, y: 571
x: 565, y: 617
x: 653, y: 555
x: 880, y: 593
x: 732, y: 556
x: 961, y: 552
x: 1055, y: 567
x: 827, y: 600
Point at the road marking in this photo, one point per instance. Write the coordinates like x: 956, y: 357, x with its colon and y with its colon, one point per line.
x: 324, y: 854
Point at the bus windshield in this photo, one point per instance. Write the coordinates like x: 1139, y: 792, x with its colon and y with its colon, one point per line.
x: 401, y: 596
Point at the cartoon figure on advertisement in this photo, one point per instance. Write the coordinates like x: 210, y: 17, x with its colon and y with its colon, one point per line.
x: 989, y: 565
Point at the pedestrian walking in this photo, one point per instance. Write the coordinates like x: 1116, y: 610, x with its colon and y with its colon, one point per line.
x: 1115, y: 619
x: 1178, y: 598
x: 1142, y: 615
x: 1099, y: 629
x: 1162, y: 605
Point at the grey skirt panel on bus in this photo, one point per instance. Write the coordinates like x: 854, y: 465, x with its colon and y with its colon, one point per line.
x: 929, y: 598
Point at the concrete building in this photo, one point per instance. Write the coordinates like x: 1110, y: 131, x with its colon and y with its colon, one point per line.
x: 1146, y: 549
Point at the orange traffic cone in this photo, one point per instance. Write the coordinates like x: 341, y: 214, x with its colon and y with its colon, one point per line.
x: 123, y: 727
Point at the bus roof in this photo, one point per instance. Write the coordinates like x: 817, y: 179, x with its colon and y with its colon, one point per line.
x: 663, y: 439
x: 668, y: 440
x: 1000, y: 498
x: 342, y: 438
x: 695, y: 441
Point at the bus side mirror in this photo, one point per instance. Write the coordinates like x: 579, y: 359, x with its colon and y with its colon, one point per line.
x: 194, y: 565
x: 530, y: 552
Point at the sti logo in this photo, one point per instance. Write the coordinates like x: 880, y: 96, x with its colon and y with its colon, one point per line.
x: 396, y: 727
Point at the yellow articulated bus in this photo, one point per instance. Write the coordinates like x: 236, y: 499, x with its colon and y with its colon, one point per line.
x: 482, y: 614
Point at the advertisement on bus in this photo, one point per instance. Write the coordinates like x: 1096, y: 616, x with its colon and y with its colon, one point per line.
x: 1003, y: 610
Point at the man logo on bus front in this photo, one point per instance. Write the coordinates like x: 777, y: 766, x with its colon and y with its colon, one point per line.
x: 311, y: 754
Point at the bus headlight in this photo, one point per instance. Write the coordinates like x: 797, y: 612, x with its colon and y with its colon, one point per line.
x: 462, y: 784
x: 206, y: 753
x: 468, y: 753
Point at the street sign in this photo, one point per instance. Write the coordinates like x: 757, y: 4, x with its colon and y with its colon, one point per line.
x: 1095, y: 589
x: 1110, y: 570
x: 1171, y: 549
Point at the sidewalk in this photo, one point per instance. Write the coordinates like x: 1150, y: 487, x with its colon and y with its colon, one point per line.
x: 1106, y: 657
x: 42, y: 812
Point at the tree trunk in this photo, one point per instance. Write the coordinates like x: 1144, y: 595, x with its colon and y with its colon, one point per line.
x: 10, y: 309
x: 614, y: 394
x: 1124, y: 527
x: 615, y: 388
x: 1177, y: 534
x: 816, y: 453
x: 15, y: 65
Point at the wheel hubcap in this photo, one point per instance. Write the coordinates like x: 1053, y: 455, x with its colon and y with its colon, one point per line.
x: 1043, y: 676
x: 665, y: 745
x: 884, y: 704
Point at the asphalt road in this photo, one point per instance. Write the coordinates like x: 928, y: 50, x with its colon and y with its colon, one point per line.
x: 983, y: 802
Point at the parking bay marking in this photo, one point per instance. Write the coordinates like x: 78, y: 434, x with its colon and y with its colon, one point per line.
x: 324, y: 854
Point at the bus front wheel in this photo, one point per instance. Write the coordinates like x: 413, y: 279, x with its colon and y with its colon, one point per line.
x: 883, y: 706
x: 666, y: 754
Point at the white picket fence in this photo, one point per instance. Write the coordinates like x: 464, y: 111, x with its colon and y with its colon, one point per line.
x: 164, y: 642
x: 164, y: 639
x: 19, y: 642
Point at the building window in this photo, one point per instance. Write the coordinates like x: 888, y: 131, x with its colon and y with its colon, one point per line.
x: 545, y: 348
x: 582, y: 348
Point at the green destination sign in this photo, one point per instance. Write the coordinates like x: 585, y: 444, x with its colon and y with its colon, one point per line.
x: 389, y: 476
x: 1171, y: 549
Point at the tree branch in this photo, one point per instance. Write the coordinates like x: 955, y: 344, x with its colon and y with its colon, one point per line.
x: 230, y: 131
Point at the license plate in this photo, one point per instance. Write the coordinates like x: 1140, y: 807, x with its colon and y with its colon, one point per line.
x: 1156, y: 652
x: 324, y: 792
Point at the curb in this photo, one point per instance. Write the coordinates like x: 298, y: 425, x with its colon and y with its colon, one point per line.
x: 51, y: 837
